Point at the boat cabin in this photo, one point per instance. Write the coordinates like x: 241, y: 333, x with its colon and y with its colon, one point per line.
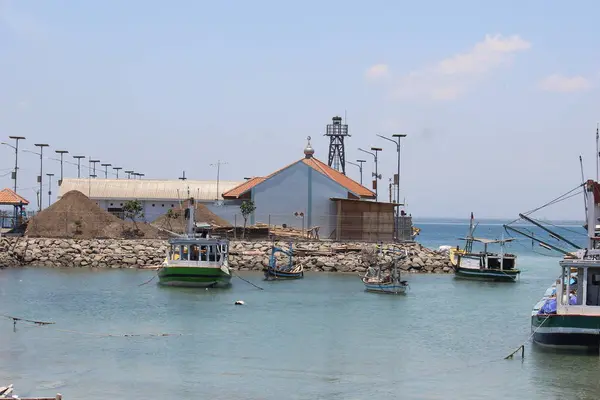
x: 195, y: 251
x: 578, y: 291
x: 486, y: 259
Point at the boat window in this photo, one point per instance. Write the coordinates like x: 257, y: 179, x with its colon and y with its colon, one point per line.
x: 194, y: 252
x: 592, y: 297
x: 212, y: 256
x: 184, y: 252
x: 203, y: 255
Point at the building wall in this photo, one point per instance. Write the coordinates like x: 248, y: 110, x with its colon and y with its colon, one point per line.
x: 155, y: 208
x: 302, y: 189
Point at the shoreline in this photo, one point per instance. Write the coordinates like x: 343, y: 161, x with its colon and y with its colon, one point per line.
x: 315, y: 256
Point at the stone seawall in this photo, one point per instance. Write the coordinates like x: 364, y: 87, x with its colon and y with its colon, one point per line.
x: 110, y: 253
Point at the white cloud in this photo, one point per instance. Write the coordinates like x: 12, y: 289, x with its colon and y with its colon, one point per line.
x: 559, y: 83
x: 377, y: 71
x: 450, y: 78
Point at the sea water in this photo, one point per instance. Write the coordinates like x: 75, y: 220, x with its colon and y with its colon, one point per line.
x: 322, y: 337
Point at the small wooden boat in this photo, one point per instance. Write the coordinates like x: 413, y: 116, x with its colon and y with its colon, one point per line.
x: 386, y: 280
x: 288, y: 271
x: 483, y: 265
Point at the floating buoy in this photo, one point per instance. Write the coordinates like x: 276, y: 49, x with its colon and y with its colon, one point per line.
x: 239, y: 303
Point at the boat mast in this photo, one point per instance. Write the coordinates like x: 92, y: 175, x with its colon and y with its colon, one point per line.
x: 469, y: 244
x: 502, y: 252
x: 191, y: 222
x: 592, y: 219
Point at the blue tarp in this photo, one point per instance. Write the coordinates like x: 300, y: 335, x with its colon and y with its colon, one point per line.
x: 549, y: 307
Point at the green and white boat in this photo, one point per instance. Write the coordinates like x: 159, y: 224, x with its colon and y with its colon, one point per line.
x: 196, y: 259
x: 568, y: 315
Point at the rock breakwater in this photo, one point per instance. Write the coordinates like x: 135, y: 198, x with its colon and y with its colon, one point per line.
x: 245, y: 256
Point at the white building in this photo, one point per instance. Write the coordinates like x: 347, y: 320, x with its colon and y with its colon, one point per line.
x: 156, y: 196
x: 307, y: 187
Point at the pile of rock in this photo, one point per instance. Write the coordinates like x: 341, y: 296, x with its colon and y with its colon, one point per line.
x: 314, y: 256
x: 340, y: 257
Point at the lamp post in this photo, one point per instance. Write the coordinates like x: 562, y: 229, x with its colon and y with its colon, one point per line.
x: 78, y: 165
x: 93, y: 175
x: 359, y: 169
x: 16, y: 148
x: 374, y: 174
x: 41, y: 146
x: 140, y: 175
x: 397, y: 180
x: 49, y: 189
x: 218, y: 165
x: 129, y: 173
x: 117, y: 169
x: 106, y: 169
x: 62, y: 153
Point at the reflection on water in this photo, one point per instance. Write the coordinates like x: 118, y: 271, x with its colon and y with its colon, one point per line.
x: 319, y: 337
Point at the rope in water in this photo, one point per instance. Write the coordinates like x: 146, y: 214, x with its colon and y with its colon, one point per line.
x: 247, y: 281
x: 522, y: 346
x: 34, y: 322
x: 15, y: 319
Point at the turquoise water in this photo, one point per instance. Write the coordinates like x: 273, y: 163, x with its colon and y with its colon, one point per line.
x: 321, y: 337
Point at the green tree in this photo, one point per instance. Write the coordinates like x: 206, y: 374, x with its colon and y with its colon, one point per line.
x: 133, y: 209
x: 246, y: 209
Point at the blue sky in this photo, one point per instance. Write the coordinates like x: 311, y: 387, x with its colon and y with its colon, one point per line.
x: 498, y: 99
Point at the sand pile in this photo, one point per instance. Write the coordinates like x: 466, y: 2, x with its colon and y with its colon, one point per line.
x: 76, y: 216
x: 178, y: 224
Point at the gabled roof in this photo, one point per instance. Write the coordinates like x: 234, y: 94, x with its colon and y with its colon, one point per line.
x: 10, y: 198
x: 313, y: 163
x: 243, y: 188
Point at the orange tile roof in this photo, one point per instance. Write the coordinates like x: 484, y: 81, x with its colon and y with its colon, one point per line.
x: 319, y: 166
x: 10, y: 198
x: 243, y: 188
x: 338, y: 177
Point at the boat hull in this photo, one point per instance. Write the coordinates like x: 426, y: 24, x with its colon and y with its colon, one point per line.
x: 569, y: 332
x: 493, y: 275
x: 194, y: 276
x: 385, y: 288
x: 271, y: 273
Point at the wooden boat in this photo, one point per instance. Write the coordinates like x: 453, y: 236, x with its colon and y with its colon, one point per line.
x: 380, y: 280
x: 568, y: 315
x: 483, y: 265
x: 196, y: 259
x: 288, y: 271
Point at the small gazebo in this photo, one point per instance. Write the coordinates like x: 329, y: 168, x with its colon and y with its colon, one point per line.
x: 9, y: 198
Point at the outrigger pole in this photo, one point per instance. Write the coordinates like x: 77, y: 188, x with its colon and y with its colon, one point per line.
x: 537, y: 240
x: 556, y: 235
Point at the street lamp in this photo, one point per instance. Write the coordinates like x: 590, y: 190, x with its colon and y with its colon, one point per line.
x: 106, y: 169
x: 218, y: 165
x: 374, y: 174
x: 397, y: 177
x: 140, y: 175
x: 129, y: 173
x: 360, y: 168
x: 117, y: 169
x: 93, y: 175
x: 78, y: 165
x: 16, y: 147
x: 41, y: 146
x: 62, y: 153
x: 49, y: 189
